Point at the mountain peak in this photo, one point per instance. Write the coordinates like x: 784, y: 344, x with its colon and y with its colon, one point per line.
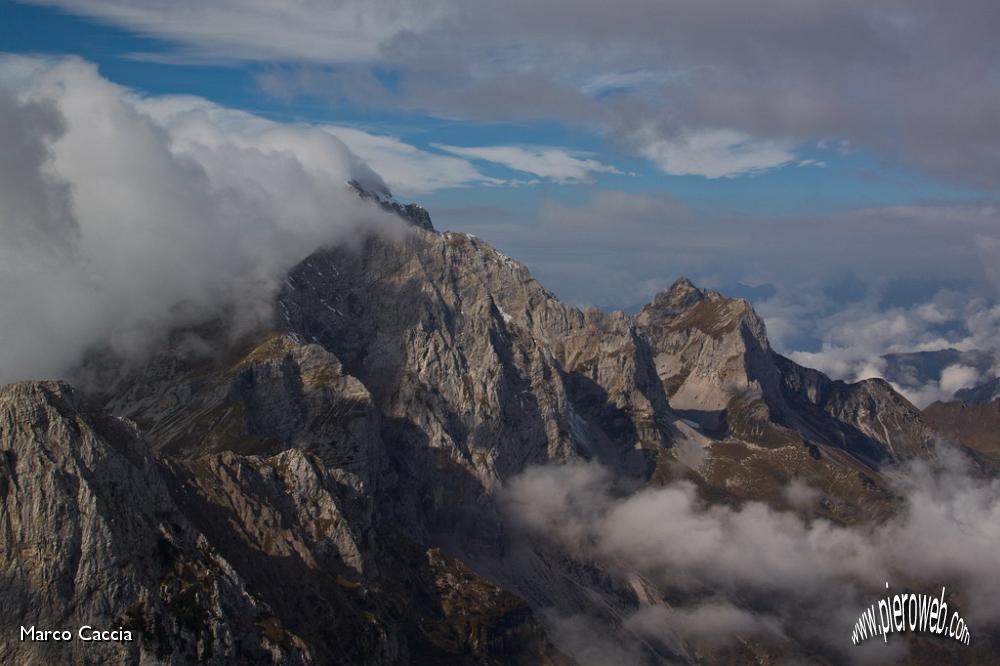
x: 670, y: 302
x: 683, y: 287
x: 414, y: 214
x: 685, y: 306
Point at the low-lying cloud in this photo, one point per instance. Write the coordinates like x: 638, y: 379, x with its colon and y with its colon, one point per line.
x: 860, y: 341
x: 122, y: 216
x: 755, y: 571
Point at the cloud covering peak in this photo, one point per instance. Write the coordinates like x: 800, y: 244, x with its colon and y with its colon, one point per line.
x: 122, y: 216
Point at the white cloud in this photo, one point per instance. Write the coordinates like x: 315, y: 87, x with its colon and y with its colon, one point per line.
x: 801, y: 495
x: 714, y: 153
x: 848, y: 70
x: 342, y: 31
x: 856, y: 337
x: 557, y: 164
x: 714, y: 623
x: 122, y: 217
x: 407, y: 169
x: 769, y: 572
x: 956, y: 377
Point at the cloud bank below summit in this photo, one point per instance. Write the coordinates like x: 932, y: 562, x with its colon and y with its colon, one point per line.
x: 755, y: 571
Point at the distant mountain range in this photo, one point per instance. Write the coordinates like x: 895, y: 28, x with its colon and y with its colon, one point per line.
x: 916, y: 369
x: 972, y: 415
x: 983, y: 393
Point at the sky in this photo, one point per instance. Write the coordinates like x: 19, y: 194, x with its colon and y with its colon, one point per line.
x: 836, y: 163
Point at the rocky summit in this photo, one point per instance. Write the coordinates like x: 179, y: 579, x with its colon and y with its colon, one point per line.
x: 326, y: 490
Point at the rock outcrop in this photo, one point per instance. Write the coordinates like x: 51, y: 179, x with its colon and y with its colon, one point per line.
x: 92, y: 536
x: 718, y: 369
x: 973, y: 424
x: 220, y: 558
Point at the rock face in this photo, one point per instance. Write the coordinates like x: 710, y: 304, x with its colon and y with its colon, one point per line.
x: 92, y: 536
x: 716, y: 365
x: 476, y: 369
x: 975, y: 425
x: 273, y: 394
x: 325, y: 491
x: 217, y: 559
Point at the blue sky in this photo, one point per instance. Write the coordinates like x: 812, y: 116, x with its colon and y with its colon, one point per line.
x: 855, y: 179
x: 805, y: 147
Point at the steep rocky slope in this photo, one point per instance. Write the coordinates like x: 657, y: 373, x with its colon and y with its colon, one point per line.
x: 975, y: 425
x: 219, y: 558
x: 716, y: 365
x: 972, y: 419
x: 326, y: 490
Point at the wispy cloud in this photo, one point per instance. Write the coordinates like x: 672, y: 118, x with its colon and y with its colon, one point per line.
x: 232, y: 30
x: 556, y: 164
x: 714, y: 153
x: 407, y: 169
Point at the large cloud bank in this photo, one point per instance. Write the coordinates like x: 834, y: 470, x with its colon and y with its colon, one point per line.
x: 122, y: 216
x: 757, y: 572
x: 715, y: 88
x: 856, y: 339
